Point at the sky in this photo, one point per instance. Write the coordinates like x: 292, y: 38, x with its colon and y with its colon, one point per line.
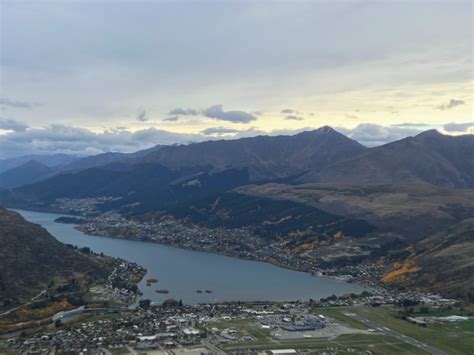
x: 84, y: 77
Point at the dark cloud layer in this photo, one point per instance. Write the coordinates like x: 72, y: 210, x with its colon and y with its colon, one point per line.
x: 216, y: 112
x: 184, y: 112
x: 294, y: 118
x: 219, y: 131
x: 74, y: 140
x: 12, y: 125
x: 459, y: 127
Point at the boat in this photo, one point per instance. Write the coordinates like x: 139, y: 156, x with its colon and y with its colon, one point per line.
x: 199, y: 291
x: 208, y: 291
x: 162, y: 290
x: 151, y: 280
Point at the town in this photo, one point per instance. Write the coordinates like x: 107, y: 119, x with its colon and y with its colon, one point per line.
x: 174, y: 328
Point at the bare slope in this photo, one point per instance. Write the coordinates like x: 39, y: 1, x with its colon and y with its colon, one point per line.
x: 411, y: 210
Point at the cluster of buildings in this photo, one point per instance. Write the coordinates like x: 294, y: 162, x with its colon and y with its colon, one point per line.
x: 121, y: 287
x: 82, y: 206
x: 152, y: 328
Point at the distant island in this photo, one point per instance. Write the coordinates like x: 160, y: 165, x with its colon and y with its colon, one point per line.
x: 70, y: 220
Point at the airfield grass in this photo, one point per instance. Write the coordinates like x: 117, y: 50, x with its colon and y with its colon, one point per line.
x: 467, y: 326
x: 119, y: 351
x: 447, y: 337
x: 336, y: 313
x: 344, y: 344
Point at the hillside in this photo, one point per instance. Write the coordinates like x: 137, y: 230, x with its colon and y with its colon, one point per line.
x: 442, y: 263
x: 270, y: 219
x: 265, y: 157
x: 31, y: 259
x: 47, y: 160
x: 412, y: 211
x: 24, y: 174
x: 162, y: 176
x: 430, y: 156
x: 102, y: 159
x: 135, y: 187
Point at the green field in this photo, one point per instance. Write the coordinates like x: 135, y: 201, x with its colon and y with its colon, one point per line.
x: 467, y: 326
x: 344, y: 344
x: 448, y: 338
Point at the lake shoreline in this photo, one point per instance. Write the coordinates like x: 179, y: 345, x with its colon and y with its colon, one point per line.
x: 222, y: 253
x: 183, y: 271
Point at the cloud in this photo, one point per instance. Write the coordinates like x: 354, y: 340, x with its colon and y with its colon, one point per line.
x: 352, y: 116
x: 467, y: 127
x: 17, y: 104
x: 171, y: 119
x: 371, y: 134
x: 184, y: 112
x: 217, y: 112
x: 289, y: 111
x: 294, y: 118
x: 407, y: 124
x: 142, y: 116
x: 12, y: 125
x: 218, y: 131
x: 451, y: 104
x: 74, y: 140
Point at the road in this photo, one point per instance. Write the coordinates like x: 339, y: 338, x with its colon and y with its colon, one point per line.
x: 386, y: 331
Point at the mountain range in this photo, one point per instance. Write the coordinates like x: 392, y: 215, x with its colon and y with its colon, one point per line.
x: 401, y: 193
x: 323, y: 155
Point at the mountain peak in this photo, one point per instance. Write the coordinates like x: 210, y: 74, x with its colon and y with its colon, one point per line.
x: 325, y: 130
x: 430, y: 133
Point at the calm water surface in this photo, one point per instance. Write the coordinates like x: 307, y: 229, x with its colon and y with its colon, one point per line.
x: 183, y: 272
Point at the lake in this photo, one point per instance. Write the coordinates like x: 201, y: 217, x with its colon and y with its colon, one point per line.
x: 183, y: 272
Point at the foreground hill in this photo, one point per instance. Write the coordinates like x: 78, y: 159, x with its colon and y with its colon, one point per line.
x: 31, y: 260
x: 430, y: 156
